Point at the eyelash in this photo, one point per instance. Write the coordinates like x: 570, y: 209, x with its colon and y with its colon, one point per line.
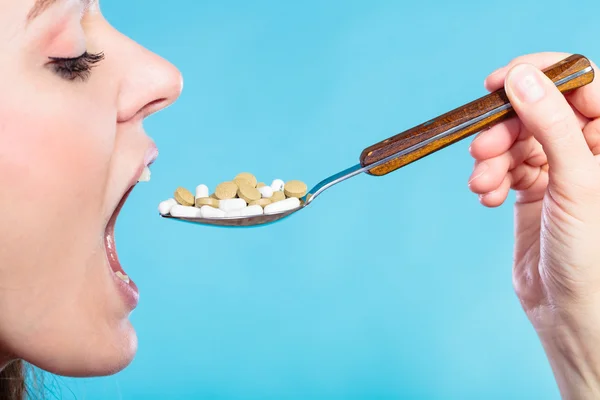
x: 77, y: 67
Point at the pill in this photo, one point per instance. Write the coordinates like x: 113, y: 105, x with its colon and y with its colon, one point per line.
x: 185, y: 211
x: 201, y: 191
x: 246, y: 176
x: 233, y: 214
x: 232, y: 204
x: 241, y: 181
x: 184, y: 197
x: 277, y: 185
x: 241, y: 197
x: 164, y: 208
x: 251, y: 211
x: 211, y: 212
x: 226, y: 190
x: 295, y: 189
x: 207, y: 201
x: 277, y: 196
x: 260, y: 202
x: 266, y: 191
x: 282, y: 206
x: 248, y: 193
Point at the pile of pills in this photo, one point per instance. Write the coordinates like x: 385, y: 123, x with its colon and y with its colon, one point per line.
x: 241, y: 197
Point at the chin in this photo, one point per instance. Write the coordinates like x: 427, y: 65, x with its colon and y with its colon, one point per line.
x: 101, y: 359
x: 113, y: 359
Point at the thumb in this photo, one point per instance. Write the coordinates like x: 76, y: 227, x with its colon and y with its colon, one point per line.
x: 545, y: 112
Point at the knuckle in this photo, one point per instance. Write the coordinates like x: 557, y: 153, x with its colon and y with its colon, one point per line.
x: 528, y: 297
x: 592, y: 136
x: 540, y: 59
x: 527, y: 59
x: 556, y: 124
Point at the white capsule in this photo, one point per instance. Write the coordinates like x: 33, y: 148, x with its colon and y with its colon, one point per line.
x: 185, y: 212
x: 164, y: 208
x: 232, y: 204
x: 277, y: 185
x: 145, y: 175
x: 251, y: 211
x: 211, y: 212
x: 233, y: 214
x: 282, y: 206
x: 202, y: 191
x: 266, y: 192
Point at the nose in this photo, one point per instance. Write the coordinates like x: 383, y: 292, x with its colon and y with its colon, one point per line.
x: 149, y: 83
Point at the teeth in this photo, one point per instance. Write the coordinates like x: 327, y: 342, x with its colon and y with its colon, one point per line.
x: 145, y: 176
x: 122, y: 277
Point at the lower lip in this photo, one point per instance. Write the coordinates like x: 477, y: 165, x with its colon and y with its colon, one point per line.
x: 129, y: 291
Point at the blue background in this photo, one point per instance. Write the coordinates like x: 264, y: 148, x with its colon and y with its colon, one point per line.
x: 390, y: 287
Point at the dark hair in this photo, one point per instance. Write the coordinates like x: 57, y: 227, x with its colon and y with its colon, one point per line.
x: 12, y: 381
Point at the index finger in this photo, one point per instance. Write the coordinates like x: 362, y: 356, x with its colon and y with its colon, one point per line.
x: 585, y: 99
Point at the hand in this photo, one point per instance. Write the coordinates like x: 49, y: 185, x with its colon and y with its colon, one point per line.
x: 549, y: 156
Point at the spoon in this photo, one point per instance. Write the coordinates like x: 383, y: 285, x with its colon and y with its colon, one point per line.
x: 402, y: 149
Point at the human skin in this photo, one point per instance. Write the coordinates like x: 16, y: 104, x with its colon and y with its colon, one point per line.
x: 549, y: 156
x: 69, y: 150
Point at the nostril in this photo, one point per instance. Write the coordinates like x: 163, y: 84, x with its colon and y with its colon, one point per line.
x: 153, y: 107
x: 147, y: 110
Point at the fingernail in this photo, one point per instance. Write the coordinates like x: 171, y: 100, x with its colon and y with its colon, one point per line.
x: 525, y: 82
x: 473, y: 142
x: 479, y: 170
x: 486, y: 81
x: 486, y: 85
x: 485, y: 195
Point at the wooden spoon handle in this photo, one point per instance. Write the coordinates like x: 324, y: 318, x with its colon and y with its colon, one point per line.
x: 402, y: 149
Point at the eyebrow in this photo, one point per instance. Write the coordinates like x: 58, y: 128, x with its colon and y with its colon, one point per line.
x: 42, y: 5
x: 39, y: 7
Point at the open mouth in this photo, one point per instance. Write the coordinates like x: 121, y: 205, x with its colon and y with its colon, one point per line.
x: 109, y: 241
x: 126, y: 286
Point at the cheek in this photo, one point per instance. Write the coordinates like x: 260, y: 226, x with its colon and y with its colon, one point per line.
x: 55, y: 161
x: 54, y: 157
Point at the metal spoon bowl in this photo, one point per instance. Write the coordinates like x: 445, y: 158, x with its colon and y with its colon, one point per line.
x: 239, y: 222
x: 393, y: 153
x: 266, y: 219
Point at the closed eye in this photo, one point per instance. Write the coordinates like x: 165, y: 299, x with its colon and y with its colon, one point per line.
x: 77, y: 67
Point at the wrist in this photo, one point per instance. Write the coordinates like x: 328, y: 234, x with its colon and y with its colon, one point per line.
x: 572, y: 346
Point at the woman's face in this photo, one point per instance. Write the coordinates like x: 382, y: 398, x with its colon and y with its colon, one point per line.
x: 71, y: 145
